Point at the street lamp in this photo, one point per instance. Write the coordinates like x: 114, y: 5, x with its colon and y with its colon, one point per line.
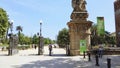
x: 40, y: 46
x: 11, y: 26
x: 40, y: 28
x: 11, y: 40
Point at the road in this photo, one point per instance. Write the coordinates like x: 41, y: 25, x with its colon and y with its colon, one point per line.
x: 30, y: 59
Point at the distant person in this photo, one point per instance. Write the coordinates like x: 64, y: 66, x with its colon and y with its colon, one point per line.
x: 54, y: 46
x: 100, y: 51
x: 50, y: 49
x: 35, y: 46
x: 2, y: 48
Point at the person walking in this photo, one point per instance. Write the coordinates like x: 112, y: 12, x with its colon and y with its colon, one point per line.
x: 50, y: 49
x: 35, y: 46
x: 100, y: 51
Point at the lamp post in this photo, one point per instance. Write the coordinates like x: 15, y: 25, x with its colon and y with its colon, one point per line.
x: 38, y: 44
x: 40, y: 40
x: 11, y: 40
x: 11, y: 26
x: 40, y: 28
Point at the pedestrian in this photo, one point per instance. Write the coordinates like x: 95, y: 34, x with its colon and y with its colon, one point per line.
x: 54, y: 46
x: 50, y: 49
x: 100, y: 51
x: 35, y: 46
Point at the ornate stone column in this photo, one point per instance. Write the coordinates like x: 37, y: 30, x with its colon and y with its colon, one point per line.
x: 79, y: 28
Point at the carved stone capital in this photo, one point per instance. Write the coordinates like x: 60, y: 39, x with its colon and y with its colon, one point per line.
x: 79, y: 15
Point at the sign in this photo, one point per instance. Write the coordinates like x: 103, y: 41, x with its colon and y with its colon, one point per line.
x: 82, y: 46
x: 100, y: 26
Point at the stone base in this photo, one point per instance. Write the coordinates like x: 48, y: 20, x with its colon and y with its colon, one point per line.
x: 12, y: 51
x: 74, y: 52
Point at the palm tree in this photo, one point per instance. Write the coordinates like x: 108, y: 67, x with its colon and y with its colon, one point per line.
x: 19, y: 29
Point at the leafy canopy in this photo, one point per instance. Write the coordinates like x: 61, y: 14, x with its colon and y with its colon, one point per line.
x: 3, y: 22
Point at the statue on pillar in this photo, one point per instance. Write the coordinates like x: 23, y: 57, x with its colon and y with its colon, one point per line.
x: 79, y: 10
x: 80, y: 4
x: 79, y: 28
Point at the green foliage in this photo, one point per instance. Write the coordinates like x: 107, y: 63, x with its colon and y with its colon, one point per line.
x: 63, y: 37
x: 19, y: 29
x: 23, y: 47
x: 27, y: 40
x: 54, y: 41
x: 24, y: 39
x: 95, y: 39
x: 3, y: 23
x: 47, y: 41
x: 35, y: 39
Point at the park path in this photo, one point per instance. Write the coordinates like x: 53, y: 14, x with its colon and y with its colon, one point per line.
x: 30, y: 59
x: 33, y: 52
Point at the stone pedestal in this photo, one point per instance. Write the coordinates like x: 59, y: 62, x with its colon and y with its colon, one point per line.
x: 13, y: 45
x: 79, y: 30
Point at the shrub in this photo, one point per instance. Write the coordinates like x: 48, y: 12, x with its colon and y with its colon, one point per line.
x: 23, y: 47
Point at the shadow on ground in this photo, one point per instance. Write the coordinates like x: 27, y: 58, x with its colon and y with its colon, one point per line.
x: 56, y: 55
x: 66, y: 62
x: 57, y: 63
x: 53, y: 63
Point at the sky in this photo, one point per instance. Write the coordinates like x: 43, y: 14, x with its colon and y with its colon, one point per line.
x: 54, y: 15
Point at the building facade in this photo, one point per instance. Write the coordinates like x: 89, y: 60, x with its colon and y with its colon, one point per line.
x: 117, y: 21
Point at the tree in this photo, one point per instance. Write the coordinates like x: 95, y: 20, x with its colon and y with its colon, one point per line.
x: 94, y: 35
x: 95, y: 38
x: 63, y: 37
x: 25, y: 39
x: 7, y: 30
x: 104, y: 39
x: 109, y: 39
x: 48, y: 41
x: 35, y: 39
x: 3, y: 22
x: 19, y: 29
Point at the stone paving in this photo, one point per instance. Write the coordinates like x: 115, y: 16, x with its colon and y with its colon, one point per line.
x: 30, y: 59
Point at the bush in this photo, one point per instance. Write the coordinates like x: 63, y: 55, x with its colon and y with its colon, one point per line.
x: 23, y: 47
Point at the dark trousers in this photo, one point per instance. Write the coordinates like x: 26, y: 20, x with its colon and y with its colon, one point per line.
x: 100, y: 53
x: 50, y: 52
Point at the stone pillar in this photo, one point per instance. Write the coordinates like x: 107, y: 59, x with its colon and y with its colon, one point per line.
x: 79, y: 29
x: 13, y: 45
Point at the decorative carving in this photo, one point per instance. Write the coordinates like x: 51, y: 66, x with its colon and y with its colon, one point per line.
x: 79, y: 16
x: 82, y: 5
x: 79, y: 5
x: 79, y: 10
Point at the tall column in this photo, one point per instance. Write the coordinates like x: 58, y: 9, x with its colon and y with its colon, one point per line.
x: 79, y: 27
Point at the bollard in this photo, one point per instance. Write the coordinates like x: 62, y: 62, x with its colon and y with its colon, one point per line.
x: 97, y: 60
x: 89, y: 57
x: 108, y: 62
x: 84, y: 54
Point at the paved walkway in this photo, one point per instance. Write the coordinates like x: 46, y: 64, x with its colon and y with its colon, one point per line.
x: 30, y: 59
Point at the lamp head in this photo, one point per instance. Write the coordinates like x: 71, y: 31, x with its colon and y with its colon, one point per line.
x: 40, y: 22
